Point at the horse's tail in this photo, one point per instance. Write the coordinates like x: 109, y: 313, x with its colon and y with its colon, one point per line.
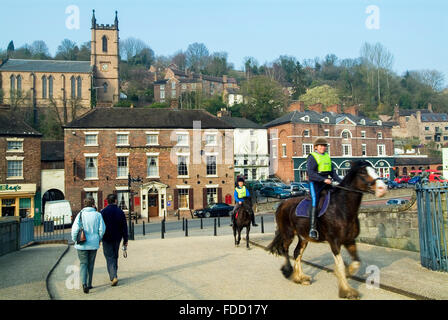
x: 276, y: 246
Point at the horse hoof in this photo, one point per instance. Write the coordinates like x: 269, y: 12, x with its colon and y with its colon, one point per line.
x: 349, y: 294
x: 303, y: 280
x: 287, y: 271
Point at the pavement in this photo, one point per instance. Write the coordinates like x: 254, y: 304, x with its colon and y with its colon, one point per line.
x: 206, y: 267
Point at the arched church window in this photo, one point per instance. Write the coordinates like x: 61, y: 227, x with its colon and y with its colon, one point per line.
x: 19, y: 83
x: 73, y: 87
x: 12, y: 84
x: 104, y: 44
x: 79, y: 81
x: 44, y: 87
x: 50, y: 87
x: 105, y: 87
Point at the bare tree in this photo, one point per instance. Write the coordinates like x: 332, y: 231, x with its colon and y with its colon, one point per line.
x: 130, y: 47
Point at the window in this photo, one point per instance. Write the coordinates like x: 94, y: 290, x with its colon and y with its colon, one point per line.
x: 14, y: 146
x: 19, y: 83
x: 152, y: 139
x: 122, y: 139
x: 73, y: 87
x: 15, y: 169
x: 123, y: 200
x: 184, y: 86
x: 252, y: 132
x: 212, y: 196
x: 211, y: 166
x: 44, y: 87
x: 426, y: 128
x: 162, y: 94
x: 306, y: 118
x: 284, y: 150
x: 104, y: 43
x: 381, y: 150
x: 25, y: 207
x: 346, y: 149
x: 379, y: 135
x: 182, y: 139
x: 326, y: 120
x: 193, y: 86
x: 326, y: 132
x: 183, y: 199
x: 105, y: 86
x: 91, y: 140
x: 346, y: 134
x: 274, y: 152
x: 91, y: 168
x: 122, y: 167
x: 50, y: 87
x: 307, y: 148
x: 12, y: 83
x: 363, y: 121
x: 445, y: 138
x: 254, y: 174
x: 162, y: 87
x: 363, y: 134
x: 407, y: 118
x: 210, y: 139
x: 173, y: 85
x: 306, y: 133
x: 173, y: 93
x: 428, y: 138
x: 379, y: 122
x: 364, y: 150
x: 182, y: 165
x: 79, y: 81
x: 153, y: 166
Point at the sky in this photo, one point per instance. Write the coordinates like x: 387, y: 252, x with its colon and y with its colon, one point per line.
x: 414, y: 31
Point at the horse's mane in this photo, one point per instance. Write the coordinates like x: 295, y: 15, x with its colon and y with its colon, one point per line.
x: 353, y: 172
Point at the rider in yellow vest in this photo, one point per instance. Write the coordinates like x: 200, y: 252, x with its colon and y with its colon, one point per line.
x: 241, y: 192
x: 320, y: 174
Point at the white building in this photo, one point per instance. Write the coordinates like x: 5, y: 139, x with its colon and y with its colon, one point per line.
x: 250, y: 147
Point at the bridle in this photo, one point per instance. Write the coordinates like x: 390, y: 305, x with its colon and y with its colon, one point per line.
x: 360, y: 191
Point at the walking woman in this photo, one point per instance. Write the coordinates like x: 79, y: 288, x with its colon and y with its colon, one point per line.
x: 94, y: 228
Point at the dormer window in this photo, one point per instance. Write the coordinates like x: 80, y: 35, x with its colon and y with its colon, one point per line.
x: 306, y: 118
x: 326, y: 120
x: 379, y: 122
x: 363, y: 121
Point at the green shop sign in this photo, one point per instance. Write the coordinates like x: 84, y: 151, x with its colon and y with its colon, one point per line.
x: 7, y: 187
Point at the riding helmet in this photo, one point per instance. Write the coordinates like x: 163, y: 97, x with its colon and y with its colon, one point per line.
x: 320, y: 141
x: 240, y: 179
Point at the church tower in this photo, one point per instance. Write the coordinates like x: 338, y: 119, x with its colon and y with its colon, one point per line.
x: 105, y: 61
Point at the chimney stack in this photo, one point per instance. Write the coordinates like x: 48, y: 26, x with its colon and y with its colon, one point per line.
x: 335, y: 108
x: 353, y: 110
x: 317, y: 107
x: 297, y: 106
x: 430, y: 107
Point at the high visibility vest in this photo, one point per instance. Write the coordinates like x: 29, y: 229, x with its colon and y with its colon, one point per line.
x: 241, y: 192
x: 323, y: 161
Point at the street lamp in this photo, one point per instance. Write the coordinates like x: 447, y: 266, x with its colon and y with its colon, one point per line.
x: 130, y: 180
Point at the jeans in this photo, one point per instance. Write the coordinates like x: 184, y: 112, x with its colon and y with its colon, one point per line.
x: 111, y: 252
x: 87, y: 262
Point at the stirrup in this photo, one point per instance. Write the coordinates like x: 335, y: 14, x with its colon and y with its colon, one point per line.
x: 314, y: 234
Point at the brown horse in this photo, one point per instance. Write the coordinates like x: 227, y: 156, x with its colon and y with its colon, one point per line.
x: 243, y: 220
x: 339, y: 226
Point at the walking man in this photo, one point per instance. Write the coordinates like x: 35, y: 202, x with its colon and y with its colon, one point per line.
x: 116, y: 229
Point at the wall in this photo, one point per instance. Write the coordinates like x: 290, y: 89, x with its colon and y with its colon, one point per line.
x: 9, y: 235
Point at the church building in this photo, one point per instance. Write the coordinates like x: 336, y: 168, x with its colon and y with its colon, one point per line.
x: 71, y: 85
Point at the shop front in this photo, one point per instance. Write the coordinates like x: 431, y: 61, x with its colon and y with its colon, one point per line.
x: 17, y: 200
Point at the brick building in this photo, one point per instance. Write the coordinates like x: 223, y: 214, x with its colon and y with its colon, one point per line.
x: 19, y: 166
x: 184, y: 157
x: 177, y: 83
x: 350, y: 136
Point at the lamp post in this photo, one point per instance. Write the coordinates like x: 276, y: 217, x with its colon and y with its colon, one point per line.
x: 130, y: 180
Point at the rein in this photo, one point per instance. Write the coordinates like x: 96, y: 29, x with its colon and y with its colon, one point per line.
x: 359, y: 191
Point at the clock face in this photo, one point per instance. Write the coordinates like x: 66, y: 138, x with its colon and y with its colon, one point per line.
x: 104, y: 67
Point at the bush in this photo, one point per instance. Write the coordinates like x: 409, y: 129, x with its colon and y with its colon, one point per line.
x: 123, y: 104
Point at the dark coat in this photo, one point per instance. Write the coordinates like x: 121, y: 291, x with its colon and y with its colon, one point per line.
x: 116, y: 226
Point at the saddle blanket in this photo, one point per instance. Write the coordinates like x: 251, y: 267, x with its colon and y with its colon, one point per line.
x: 302, y: 207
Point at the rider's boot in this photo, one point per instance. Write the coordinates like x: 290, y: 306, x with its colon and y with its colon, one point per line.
x: 313, y: 222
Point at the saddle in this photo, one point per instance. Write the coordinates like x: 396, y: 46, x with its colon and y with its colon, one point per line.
x: 303, y: 206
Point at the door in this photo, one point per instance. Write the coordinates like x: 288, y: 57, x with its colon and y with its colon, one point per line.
x: 153, y: 204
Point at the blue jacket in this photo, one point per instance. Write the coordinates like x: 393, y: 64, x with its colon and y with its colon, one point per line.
x: 116, y: 226
x: 94, y: 228
x: 315, y: 176
x: 235, y: 194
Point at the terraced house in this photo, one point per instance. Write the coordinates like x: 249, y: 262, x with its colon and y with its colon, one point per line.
x: 184, y: 157
x: 351, y: 137
x: 73, y: 85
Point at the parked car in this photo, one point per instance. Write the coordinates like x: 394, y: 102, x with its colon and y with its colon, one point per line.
x: 391, y: 184
x: 254, y: 184
x: 402, y: 179
x: 275, y: 192
x: 437, y: 178
x: 415, y: 179
x: 396, y: 201
x: 59, y: 211
x: 296, y: 190
x: 214, y: 210
x: 304, y: 185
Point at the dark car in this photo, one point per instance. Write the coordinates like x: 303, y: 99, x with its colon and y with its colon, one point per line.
x: 397, y: 201
x: 391, y: 184
x: 254, y: 185
x: 415, y: 179
x: 214, y: 210
x: 275, y: 192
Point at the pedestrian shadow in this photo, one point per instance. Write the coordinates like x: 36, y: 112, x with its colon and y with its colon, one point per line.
x: 129, y: 281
